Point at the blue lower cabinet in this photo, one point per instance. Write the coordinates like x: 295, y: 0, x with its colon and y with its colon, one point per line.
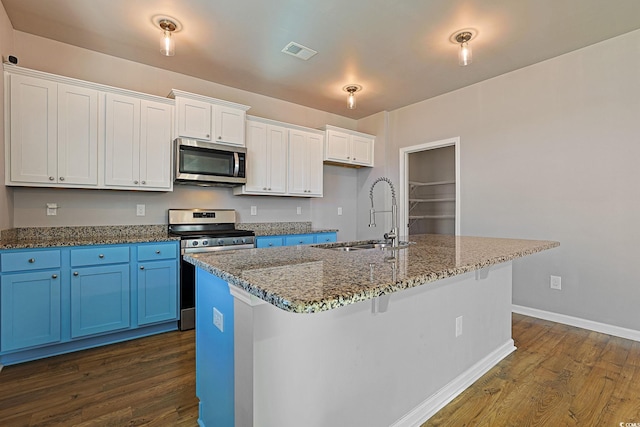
x: 99, y: 299
x: 326, y: 237
x: 295, y: 239
x: 268, y: 242
x: 298, y: 239
x: 29, y: 309
x: 157, y: 291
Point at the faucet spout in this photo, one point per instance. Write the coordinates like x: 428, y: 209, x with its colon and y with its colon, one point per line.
x: 393, y: 234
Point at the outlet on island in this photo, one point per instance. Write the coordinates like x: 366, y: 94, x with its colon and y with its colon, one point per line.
x: 140, y: 210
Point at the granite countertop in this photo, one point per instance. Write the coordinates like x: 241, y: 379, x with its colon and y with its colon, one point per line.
x: 280, y: 228
x: 308, y: 279
x: 42, y: 237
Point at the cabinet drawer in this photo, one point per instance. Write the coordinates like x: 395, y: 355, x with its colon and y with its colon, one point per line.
x: 99, y: 256
x: 326, y: 237
x: 268, y: 242
x: 300, y: 239
x: 29, y: 260
x: 157, y: 251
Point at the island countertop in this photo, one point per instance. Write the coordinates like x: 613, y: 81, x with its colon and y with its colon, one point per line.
x: 313, y: 278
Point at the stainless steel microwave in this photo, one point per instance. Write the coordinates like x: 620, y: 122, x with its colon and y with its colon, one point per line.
x: 207, y: 163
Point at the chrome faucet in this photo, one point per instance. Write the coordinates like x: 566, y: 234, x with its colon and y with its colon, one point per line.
x: 393, y: 234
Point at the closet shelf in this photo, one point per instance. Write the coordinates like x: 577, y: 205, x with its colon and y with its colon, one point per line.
x: 424, y: 184
x: 431, y: 217
x: 445, y: 199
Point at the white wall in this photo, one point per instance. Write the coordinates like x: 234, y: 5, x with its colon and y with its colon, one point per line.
x: 6, y: 195
x: 98, y: 207
x: 551, y: 151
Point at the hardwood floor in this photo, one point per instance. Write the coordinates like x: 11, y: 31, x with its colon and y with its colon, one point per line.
x: 559, y: 376
x: 149, y: 381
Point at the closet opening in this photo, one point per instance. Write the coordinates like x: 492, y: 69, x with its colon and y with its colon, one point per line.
x: 430, y: 188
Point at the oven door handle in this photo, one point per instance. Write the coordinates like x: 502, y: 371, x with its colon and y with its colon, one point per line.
x: 236, y: 166
x: 201, y: 250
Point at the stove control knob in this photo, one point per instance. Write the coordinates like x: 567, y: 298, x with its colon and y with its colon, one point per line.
x: 235, y: 241
x: 244, y: 240
x: 205, y: 242
x: 194, y: 243
x: 220, y: 242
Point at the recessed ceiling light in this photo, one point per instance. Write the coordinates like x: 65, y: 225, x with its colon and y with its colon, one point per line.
x: 298, y: 50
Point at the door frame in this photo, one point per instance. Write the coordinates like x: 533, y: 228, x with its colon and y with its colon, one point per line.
x: 404, y: 179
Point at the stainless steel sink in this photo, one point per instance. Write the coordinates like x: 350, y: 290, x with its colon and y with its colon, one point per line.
x: 353, y: 246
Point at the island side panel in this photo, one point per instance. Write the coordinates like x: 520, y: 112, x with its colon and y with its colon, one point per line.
x: 349, y: 366
x: 214, y: 352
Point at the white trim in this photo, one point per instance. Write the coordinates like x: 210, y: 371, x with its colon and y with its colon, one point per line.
x: 604, y: 328
x: 203, y: 98
x: 442, y: 397
x: 284, y: 124
x: 404, y: 179
x: 244, y: 296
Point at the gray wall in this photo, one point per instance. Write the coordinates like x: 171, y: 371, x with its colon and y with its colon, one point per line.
x: 551, y: 151
x: 6, y: 197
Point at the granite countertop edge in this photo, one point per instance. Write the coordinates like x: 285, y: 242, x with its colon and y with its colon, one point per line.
x: 315, y: 306
x: 262, y: 233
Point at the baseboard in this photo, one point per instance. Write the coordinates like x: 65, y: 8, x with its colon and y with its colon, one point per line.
x: 630, y: 334
x: 442, y: 397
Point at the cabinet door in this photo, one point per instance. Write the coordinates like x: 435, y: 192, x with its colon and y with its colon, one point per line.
x: 266, y: 158
x: 194, y: 118
x: 277, y: 159
x: 315, y: 144
x: 155, y: 145
x: 77, y: 135
x: 99, y: 299
x: 229, y: 125
x: 122, y: 141
x: 298, y: 239
x: 297, y: 162
x: 33, y: 130
x: 338, y: 147
x: 157, y: 291
x: 29, y: 309
x: 305, y: 163
x: 362, y: 150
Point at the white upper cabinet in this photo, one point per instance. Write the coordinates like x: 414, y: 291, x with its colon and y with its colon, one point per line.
x: 348, y: 148
x: 70, y: 133
x: 209, y: 119
x: 282, y: 160
x: 266, y: 159
x: 305, y: 163
x: 137, y: 143
x: 53, y: 133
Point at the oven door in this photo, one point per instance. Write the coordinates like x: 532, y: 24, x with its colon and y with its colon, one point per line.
x: 205, y: 163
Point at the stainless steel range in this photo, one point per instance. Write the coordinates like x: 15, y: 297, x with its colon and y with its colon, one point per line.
x: 202, y: 230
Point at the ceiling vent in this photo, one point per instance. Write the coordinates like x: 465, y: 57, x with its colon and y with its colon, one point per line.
x: 299, y: 51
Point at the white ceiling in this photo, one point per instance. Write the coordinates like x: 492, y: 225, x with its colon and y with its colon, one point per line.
x: 399, y: 51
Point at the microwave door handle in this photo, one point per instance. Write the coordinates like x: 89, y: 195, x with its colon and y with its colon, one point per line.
x: 236, y: 167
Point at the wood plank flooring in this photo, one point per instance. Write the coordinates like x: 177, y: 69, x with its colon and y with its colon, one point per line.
x: 559, y: 376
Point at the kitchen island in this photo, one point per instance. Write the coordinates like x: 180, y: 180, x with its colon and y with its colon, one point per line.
x: 314, y: 336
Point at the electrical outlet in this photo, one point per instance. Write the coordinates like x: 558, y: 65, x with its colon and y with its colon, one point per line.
x: 555, y: 282
x: 52, y: 209
x: 458, y: 326
x: 140, y: 210
x: 254, y: 210
x: 339, y: 211
x: 218, y: 319
x: 299, y: 210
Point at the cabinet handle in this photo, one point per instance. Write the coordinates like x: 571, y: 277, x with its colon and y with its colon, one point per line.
x: 101, y: 256
x: 54, y: 276
x: 300, y: 242
x: 144, y: 182
x: 142, y: 267
x: 264, y: 188
x: 75, y: 273
x: 158, y: 252
x: 51, y: 178
x: 208, y: 136
x: 219, y: 137
x: 269, y: 188
x: 62, y: 178
x: 348, y: 158
x: 32, y: 260
x: 270, y: 244
x: 135, y: 182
